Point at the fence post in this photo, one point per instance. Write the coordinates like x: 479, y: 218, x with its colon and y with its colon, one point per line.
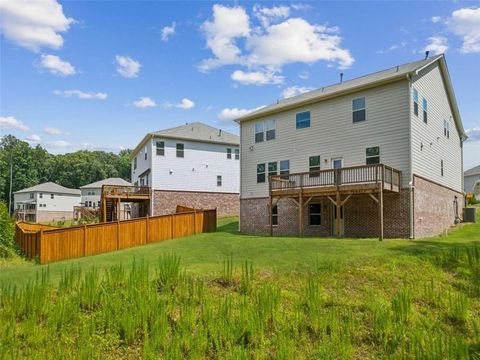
x: 195, y: 222
x: 118, y: 233
x: 84, y: 240
x: 40, y: 250
x: 171, y: 226
x: 146, y: 229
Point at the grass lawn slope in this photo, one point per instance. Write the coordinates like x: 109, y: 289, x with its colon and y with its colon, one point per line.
x: 232, y: 296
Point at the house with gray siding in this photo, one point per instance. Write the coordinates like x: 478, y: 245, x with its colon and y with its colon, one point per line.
x: 471, y: 181
x: 193, y: 165
x: 379, y: 155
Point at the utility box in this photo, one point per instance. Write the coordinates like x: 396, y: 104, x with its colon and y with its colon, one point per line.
x: 469, y: 215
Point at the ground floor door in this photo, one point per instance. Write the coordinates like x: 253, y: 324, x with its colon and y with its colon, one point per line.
x: 334, y: 220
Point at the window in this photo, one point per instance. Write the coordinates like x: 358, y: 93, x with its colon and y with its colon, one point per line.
x: 272, y: 168
x: 441, y: 167
x: 260, y: 173
x: 265, y: 126
x: 259, y: 132
x: 135, y: 163
x: 415, y: 102
x: 219, y: 180
x: 315, y: 214
x: 314, y: 165
x: 237, y: 154
x: 275, y: 215
x: 146, y: 154
x: 446, y: 128
x: 98, y: 205
x: 285, y: 167
x: 40, y: 196
x: 359, y: 110
x: 32, y: 195
x: 52, y: 196
x: 160, y: 148
x: 180, y: 150
x: 373, y: 155
x: 229, y: 153
x: 302, y: 120
x: 270, y: 127
x: 425, y: 109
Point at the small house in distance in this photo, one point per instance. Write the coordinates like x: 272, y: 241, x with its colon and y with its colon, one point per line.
x: 92, y: 193
x: 471, y: 181
x: 194, y: 165
x: 45, y: 202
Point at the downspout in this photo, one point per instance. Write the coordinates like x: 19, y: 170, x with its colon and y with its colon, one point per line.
x: 410, y: 183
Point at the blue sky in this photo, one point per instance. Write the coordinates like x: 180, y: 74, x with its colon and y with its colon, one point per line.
x: 99, y: 75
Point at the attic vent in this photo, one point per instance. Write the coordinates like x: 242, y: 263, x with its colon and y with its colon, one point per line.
x: 341, y: 77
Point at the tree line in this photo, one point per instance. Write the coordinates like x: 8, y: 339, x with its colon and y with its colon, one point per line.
x: 35, y: 165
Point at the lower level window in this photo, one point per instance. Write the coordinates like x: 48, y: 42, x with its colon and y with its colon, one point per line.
x: 373, y: 155
x: 275, y: 215
x: 285, y: 168
x: 260, y: 173
x: 219, y: 180
x: 315, y: 214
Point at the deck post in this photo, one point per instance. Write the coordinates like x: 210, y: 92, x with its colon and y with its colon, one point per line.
x: 380, y: 211
x: 300, y: 208
x: 270, y: 207
x: 338, y: 204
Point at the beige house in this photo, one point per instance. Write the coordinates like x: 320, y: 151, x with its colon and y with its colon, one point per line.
x: 45, y: 202
x: 379, y: 155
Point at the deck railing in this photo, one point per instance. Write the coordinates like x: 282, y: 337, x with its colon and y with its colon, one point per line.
x: 382, y: 174
x: 125, y: 190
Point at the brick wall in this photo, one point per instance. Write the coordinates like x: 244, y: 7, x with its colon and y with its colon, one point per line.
x: 165, y: 202
x: 434, y: 207
x: 47, y: 216
x: 361, y: 216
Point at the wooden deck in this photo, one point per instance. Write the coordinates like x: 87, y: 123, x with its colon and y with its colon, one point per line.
x: 337, y: 185
x: 113, y: 195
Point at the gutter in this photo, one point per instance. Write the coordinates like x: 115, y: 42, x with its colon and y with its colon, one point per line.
x: 411, y: 186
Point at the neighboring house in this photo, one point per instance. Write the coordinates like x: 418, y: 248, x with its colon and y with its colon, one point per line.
x: 193, y: 165
x: 471, y: 180
x: 46, y: 202
x: 405, y: 117
x: 92, y: 193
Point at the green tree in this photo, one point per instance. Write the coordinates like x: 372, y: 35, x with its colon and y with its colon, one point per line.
x: 7, y: 231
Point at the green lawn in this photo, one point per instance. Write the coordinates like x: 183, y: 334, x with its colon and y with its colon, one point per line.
x: 237, y: 297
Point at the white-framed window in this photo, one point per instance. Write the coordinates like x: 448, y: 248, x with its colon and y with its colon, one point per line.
x: 40, y: 195
x: 372, y: 155
x: 359, y: 110
x: 441, y: 168
x: 284, y: 167
x: 160, y: 145
x: 302, y: 120
x: 315, y: 214
x: 270, y: 126
x: 219, y: 180
x: 425, y: 111
x: 272, y: 168
x: 180, y: 150
x: 260, y: 173
x: 229, y: 153
x: 52, y: 196
x: 146, y: 153
x: 265, y: 130
x: 237, y: 154
x: 135, y: 163
x: 415, y: 102
x: 446, y: 128
x: 32, y: 195
x: 314, y: 165
x: 259, y: 133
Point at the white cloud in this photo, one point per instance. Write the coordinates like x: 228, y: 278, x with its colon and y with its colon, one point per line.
x: 57, y: 66
x: 127, y: 67
x: 33, y: 139
x: 34, y: 24
x: 51, y: 130
x: 436, y: 19
x: 437, y: 44
x: 81, y: 94
x: 229, y: 114
x: 465, y: 23
x: 294, y: 91
x: 304, y: 75
x: 10, y: 122
x: 168, y: 31
x: 473, y: 134
x: 185, y: 104
x: 144, y: 102
x: 59, y: 144
x: 256, y: 77
x: 277, y: 41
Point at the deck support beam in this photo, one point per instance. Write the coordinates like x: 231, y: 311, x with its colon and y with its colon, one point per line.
x: 300, y: 214
x: 270, y: 212
x: 338, y: 205
x: 380, y: 212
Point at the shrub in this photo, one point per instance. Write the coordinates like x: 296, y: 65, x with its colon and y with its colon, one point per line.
x: 472, y: 200
x: 7, y: 231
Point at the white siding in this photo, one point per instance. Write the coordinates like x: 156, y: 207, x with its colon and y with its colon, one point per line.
x: 93, y: 195
x: 60, y: 202
x: 436, y: 147
x: 196, y: 171
x: 142, y: 164
x: 470, y: 182
x: 333, y: 134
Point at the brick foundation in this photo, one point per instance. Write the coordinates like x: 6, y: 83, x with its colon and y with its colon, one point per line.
x: 48, y: 216
x: 165, y: 202
x: 434, y: 209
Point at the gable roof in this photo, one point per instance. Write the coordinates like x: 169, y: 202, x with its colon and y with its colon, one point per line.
x: 473, y: 171
x: 375, y: 79
x: 110, y: 181
x: 195, y: 131
x: 49, y: 187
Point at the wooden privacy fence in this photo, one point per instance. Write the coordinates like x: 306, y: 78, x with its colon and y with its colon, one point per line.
x: 50, y: 244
